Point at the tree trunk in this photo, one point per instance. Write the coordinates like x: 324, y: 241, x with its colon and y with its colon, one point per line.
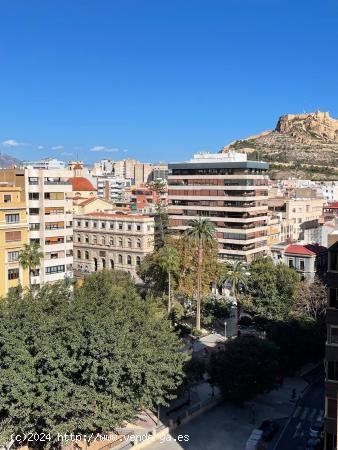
x: 199, y: 283
x: 169, y: 292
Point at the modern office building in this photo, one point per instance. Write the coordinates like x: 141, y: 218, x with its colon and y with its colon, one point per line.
x: 331, y: 352
x: 13, y: 237
x: 228, y: 190
x: 111, y: 241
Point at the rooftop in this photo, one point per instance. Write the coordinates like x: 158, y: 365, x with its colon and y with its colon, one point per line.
x: 306, y: 250
x: 117, y: 215
x: 81, y: 184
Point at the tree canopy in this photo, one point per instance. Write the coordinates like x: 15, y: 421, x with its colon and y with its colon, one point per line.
x: 84, y: 361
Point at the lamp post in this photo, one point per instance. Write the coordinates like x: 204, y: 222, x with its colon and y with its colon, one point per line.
x: 225, y: 330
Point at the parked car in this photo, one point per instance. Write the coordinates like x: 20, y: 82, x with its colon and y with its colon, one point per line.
x: 313, y: 444
x: 269, y: 428
x: 316, y: 428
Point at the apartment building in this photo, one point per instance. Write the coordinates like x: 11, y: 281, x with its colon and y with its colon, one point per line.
x: 160, y: 171
x: 308, y: 260
x: 47, y: 194
x: 331, y: 352
x: 142, y: 173
x: 231, y: 192
x: 13, y: 237
x: 294, y: 212
x: 112, y: 188
x: 111, y: 241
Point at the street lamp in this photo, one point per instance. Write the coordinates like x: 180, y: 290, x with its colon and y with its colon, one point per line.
x: 225, y: 330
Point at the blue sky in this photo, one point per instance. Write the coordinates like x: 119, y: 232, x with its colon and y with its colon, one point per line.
x: 158, y: 79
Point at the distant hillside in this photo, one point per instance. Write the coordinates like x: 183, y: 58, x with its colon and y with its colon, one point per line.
x: 301, y: 145
x: 7, y: 161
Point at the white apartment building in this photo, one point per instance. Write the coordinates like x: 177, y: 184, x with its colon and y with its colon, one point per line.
x: 49, y: 217
x: 112, y: 188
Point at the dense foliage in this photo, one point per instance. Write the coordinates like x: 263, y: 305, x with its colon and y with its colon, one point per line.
x: 246, y: 367
x: 83, y: 361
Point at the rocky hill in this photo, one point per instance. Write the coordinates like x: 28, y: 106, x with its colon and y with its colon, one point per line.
x: 7, y: 161
x: 301, y: 145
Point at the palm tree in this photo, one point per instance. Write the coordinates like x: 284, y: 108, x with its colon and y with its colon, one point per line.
x: 30, y: 258
x: 200, y: 235
x: 170, y: 262
x: 237, y: 277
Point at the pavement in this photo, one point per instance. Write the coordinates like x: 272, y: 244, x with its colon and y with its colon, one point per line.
x: 228, y: 427
x: 295, y: 434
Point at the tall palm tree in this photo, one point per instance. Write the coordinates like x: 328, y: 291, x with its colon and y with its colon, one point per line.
x: 170, y: 262
x: 200, y: 234
x: 30, y: 258
x: 237, y: 277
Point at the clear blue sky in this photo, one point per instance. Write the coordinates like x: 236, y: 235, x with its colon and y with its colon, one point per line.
x: 159, y: 79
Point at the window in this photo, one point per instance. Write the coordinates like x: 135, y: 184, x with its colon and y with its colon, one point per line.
x: 34, y: 226
x: 13, y: 256
x: 36, y: 240
x: 103, y: 263
x: 94, y: 240
x: 111, y: 225
x: 120, y: 242
x: 86, y: 239
x: 138, y: 260
x: 7, y: 198
x: 86, y: 224
x: 78, y: 223
x: 333, y: 335
x: 111, y: 241
x: 33, y: 180
x: 138, y: 243
x: 290, y: 263
x: 94, y: 224
x: 120, y: 226
x: 102, y: 253
x: 78, y: 238
x: 129, y: 243
x: 333, y: 297
x: 129, y: 226
x: 54, y: 196
x: 332, y: 370
x: 120, y: 259
x: 79, y: 256
x: 33, y: 196
x: 103, y: 224
x: 54, y: 255
x: 301, y: 264
x: 13, y: 274
x: 103, y: 240
x: 331, y: 408
x: 138, y: 227
x: 34, y: 211
x: 129, y: 259
x: 54, y: 225
x: 11, y: 236
x: 86, y: 254
x: 333, y: 261
x: 12, y: 218
x: 55, y: 269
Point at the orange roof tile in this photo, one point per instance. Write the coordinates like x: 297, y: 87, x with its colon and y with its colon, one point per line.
x: 81, y: 184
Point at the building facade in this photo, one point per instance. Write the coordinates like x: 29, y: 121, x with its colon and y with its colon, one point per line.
x: 331, y: 352
x: 13, y: 237
x: 309, y: 260
x: 111, y: 241
x: 229, y: 191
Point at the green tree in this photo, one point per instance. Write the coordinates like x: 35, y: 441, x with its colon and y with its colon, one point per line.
x: 168, y: 259
x: 201, y: 234
x: 30, y: 258
x: 237, y: 277
x: 161, y: 216
x: 271, y: 289
x: 84, y: 361
x: 246, y: 367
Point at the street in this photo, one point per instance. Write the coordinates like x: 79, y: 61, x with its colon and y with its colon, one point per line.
x: 295, y: 434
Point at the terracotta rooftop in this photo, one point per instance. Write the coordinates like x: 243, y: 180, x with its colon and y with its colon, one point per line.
x: 308, y: 249
x: 81, y: 184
